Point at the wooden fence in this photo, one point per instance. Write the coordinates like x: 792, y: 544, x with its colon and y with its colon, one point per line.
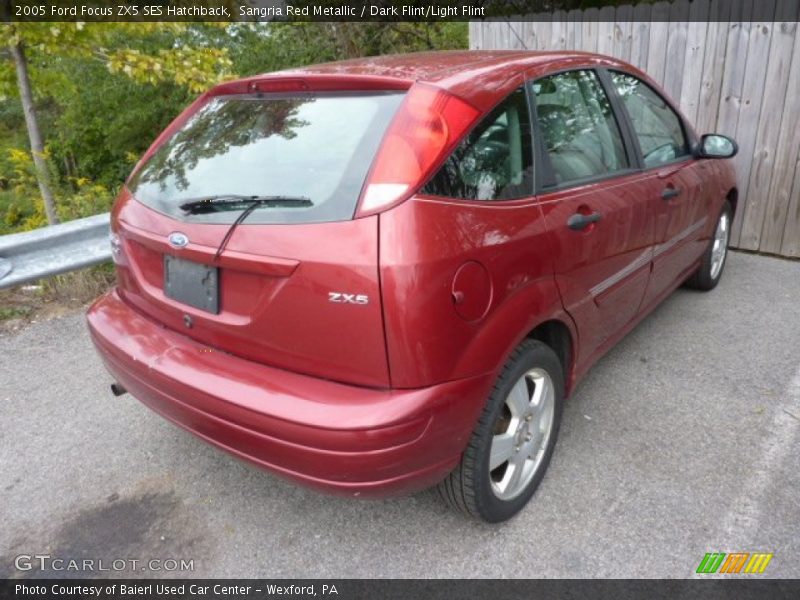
x: 731, y: 75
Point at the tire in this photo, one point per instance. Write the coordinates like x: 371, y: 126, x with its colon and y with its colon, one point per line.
x: 713, y: 262
x: 491, y: 495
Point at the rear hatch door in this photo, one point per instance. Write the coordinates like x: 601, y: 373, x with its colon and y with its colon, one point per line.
x: 296, y: 285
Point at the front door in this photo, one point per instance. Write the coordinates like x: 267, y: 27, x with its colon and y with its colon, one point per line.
x: 673, y: 184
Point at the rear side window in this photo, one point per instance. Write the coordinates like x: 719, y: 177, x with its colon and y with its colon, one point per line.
x: 495, y: 160
x: 316, y: 146
x: 655, y: 124
x: 580, y: 133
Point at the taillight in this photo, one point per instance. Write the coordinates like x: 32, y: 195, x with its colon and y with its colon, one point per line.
x: 427, y: 126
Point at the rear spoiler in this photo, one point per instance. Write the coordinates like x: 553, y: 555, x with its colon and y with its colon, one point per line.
x: 326, y: 82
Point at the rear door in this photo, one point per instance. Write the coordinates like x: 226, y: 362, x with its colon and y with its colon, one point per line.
x: 470, y: 244
x: 594, y: 202
x: 673, y: 182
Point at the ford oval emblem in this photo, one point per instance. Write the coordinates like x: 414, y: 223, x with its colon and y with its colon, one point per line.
x: 178, y: 239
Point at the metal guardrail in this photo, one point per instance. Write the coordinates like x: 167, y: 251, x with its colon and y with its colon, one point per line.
x: 48, y: 251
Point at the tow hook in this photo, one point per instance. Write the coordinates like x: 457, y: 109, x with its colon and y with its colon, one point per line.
x: 118, y: 390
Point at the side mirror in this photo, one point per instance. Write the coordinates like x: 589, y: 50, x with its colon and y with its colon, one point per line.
x: 713, y: 145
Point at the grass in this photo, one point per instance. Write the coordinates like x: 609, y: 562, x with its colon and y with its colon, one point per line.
x: 52, y: 297
x: 79, y: 287
x: 14, y: 312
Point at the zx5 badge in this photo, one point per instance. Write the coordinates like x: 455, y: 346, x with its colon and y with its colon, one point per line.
x: 341, y: 298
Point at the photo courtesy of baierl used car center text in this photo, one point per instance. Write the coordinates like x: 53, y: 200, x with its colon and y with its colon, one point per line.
x: 399, y: 299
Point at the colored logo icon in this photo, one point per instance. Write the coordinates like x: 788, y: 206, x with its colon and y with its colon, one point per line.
x: 734, y: 562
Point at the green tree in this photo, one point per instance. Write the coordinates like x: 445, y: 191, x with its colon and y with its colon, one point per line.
x: 295, y: 44
x: 48, y: 44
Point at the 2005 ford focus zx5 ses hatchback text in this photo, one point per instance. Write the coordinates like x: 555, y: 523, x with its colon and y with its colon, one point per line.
x: 382, y: 275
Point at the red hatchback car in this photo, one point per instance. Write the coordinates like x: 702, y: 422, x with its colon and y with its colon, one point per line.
x: 380, y: 275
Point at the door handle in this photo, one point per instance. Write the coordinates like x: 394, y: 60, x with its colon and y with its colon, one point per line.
x: 670, y: 192
x: 580, y: 221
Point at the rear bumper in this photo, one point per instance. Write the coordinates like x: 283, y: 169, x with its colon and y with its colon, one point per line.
x: 334, y: 437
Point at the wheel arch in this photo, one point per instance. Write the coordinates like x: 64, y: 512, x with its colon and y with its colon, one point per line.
x: 733, y: 199
x: 559, y: 337
x: 534, y: 312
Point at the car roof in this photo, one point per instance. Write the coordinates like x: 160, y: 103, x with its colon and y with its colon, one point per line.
x: 420, y: 66
x: 479, y: 76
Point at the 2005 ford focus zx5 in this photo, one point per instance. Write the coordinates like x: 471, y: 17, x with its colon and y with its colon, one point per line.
x: 387, y: 274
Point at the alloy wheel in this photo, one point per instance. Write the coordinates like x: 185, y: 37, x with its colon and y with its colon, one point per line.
x: 521, y: 434
x: 720, y: 247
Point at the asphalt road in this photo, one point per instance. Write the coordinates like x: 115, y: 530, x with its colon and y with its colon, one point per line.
x: 684, y: 439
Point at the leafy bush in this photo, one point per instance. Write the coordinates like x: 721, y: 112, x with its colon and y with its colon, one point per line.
x: 13, y: 215
x: 21, y: 204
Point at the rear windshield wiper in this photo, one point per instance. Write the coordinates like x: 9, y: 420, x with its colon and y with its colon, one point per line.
x: 229, y: 201
x: 222, y: 202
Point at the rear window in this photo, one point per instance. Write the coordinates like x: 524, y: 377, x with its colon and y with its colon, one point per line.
x: 317, y: 146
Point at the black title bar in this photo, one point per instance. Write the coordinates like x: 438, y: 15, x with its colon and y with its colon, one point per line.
x: 396, y: 589
x: 393, y: 10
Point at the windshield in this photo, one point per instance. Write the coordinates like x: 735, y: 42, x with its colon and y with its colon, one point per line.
x: 314, y: 146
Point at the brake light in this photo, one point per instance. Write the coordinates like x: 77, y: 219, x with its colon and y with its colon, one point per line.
x: 278, y: 85
x: 429, y: 123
